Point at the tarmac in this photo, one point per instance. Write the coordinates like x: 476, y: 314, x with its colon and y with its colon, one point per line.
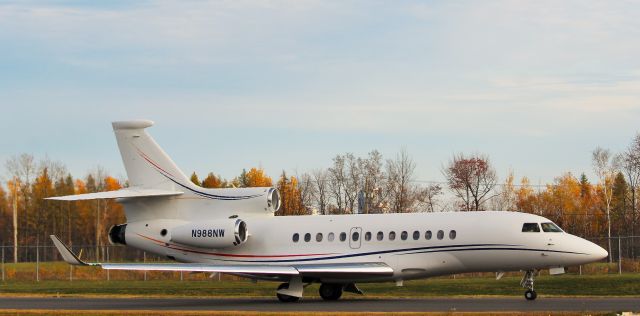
x: 602, y: 304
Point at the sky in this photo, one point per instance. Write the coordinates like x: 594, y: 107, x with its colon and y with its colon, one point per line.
x: 287, y: 85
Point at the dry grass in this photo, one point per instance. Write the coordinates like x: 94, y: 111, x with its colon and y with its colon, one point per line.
x: 237, y: 313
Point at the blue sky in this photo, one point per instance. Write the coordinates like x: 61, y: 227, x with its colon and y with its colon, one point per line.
x: 536, y: 85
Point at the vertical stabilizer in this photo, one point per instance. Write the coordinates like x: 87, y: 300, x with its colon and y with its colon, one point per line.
x: 147, y: 165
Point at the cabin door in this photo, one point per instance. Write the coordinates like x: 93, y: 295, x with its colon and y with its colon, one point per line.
x: 355, y: 237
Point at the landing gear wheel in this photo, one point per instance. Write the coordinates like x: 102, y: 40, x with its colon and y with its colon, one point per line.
x: 330, y: 292
x: 530, y: 295
x: 286, y: 298
x: 527, y: 283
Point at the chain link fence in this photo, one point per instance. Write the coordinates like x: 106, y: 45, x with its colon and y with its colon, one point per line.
x: 43, y: 262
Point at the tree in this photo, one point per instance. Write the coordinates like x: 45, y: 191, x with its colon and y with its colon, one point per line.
x: 242, y: 180
x: 290, y: 196
x: 194, y: 179
x: 585, y: 186
x: 428, y: 195
x: 471, y: 178
x: 42, y: 188
x: 630, y: 165
x: 505, y: 200
x: 352, y: 182
x: 255, y: 178
x: 372, y: 180
x: 212, y: 181
x: 307, y: 191
x: 619, y: 203
x: 605, y: 169
x: 400, y: 174
x: 319, y: 177
x: 22, y: 169
x: 4, y: 209
x: 337, y: 178
x: 13, y: 187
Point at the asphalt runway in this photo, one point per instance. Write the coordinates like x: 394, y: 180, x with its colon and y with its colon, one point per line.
x: 314, y: 304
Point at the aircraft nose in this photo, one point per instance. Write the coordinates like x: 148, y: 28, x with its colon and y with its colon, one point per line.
x: 597, y: 252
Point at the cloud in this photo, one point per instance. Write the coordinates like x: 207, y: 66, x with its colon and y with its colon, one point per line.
x: 454, y: 72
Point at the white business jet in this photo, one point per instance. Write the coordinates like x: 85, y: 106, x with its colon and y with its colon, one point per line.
x: 234, y: 231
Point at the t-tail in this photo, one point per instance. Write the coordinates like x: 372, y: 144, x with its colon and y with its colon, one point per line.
x: 147, y: 165
x: 150, y: 171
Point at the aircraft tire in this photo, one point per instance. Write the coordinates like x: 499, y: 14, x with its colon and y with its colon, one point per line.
x: 530, y: 295
x: 330, y: 292
x: 286, y: 298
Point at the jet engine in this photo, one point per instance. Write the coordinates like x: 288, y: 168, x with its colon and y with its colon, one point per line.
x: 117, y: 234
x: 211, y: 234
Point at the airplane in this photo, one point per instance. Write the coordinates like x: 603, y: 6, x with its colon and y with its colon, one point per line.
x: 234, y: 231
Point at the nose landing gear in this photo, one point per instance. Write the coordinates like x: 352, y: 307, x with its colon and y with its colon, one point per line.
x: 527, y: 283
x: 286, y: 298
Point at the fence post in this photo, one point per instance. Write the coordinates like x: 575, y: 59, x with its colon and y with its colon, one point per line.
x: 2, y: 262
x: 144, y: 259
x: 180, y: 275
x: 37, y: 260
x: 580, y: 269
x: 108, y: 277
x: 619, y: 256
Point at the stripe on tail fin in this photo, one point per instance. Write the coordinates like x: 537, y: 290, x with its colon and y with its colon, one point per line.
x: 147, y: 165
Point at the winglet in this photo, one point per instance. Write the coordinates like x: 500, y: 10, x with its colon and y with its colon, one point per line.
x: 66, y: 253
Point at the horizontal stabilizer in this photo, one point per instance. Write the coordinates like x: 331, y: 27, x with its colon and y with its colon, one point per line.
x: 123, y: 193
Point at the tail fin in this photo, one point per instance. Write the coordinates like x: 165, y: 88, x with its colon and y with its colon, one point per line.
x: 147, y: 165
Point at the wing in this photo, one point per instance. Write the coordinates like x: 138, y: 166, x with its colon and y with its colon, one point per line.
x: 313, y: 270
x: 123, y: 193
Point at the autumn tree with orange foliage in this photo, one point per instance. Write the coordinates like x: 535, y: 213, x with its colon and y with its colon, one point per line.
x: 290, y: 199
x: 213, y: 182
x: 571, y: 203
x: 256, y: 177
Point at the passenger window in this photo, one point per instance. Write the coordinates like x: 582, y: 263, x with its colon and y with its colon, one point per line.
x: 343, y: 236
x: 296, y: 237
x: 530, y: 228
x: 427, y: 235
x: 392, y: 235
x: 452, y: 234
x: 330, y: 237
x: 367, y: 236
x: 404, y: 235
x: 550, y: 228
x: 307, y: 237
x: 319, y: 237
x: 416, y: 235
x: 440, y: 234
x: 380, y: 235
x: 355, y: 236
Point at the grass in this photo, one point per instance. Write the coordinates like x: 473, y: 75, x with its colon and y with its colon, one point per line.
x: 249, y: 313
x: 565, y: 285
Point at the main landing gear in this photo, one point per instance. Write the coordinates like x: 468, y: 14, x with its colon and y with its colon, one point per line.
x: 527, y: 283
x: 292, y: 291
x: 330, y: 292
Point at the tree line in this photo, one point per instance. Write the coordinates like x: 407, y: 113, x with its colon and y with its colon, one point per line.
x: 603, y: 207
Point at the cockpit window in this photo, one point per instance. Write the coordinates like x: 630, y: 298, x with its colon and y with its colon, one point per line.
x: 530, y: 228
x: 550, y: 228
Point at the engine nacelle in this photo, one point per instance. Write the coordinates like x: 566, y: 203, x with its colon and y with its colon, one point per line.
x: 117, y: 234
x: 211, y: 234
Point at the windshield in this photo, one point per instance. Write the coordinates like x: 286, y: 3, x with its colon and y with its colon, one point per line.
x: 550, y: 228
